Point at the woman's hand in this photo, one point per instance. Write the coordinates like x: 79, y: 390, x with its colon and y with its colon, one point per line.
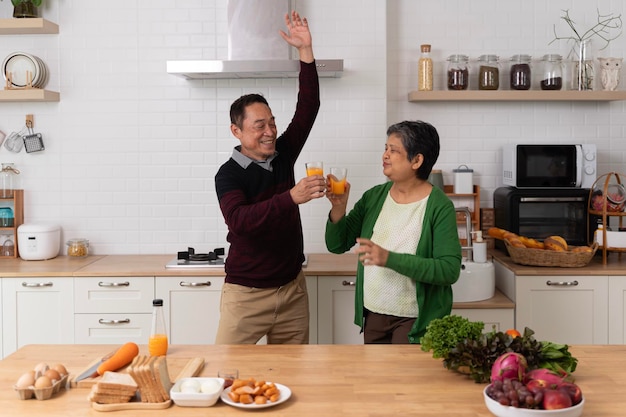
x: 339, y: 202
x: 370, y: 253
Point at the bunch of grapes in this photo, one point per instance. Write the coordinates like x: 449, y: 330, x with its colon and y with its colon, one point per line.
x: 514, y: 393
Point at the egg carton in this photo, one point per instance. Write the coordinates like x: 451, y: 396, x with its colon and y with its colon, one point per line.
x: 42, y: 393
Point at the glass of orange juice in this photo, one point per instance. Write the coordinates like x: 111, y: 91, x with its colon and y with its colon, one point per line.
x: 314, y: 168
x: 338, y: 180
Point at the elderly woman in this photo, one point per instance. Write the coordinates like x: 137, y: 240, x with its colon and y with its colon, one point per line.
x: 408, y: 244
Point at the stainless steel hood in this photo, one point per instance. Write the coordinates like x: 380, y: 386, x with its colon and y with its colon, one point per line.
x: 288, y: 68
x: 255, y: 49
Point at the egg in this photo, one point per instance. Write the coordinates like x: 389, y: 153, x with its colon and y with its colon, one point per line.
x: 26, y: 380
x: 41, y: 369
x: 190, y: 385
x: 59, y: 368
x: 43, y: 382
x: 53, y: 375
x: 209, y: 387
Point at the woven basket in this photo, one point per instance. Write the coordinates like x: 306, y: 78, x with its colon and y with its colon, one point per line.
x: 544, y: 257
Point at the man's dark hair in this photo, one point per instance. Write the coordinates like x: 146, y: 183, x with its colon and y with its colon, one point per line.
x: 418, y: 137
x: 238, y: 108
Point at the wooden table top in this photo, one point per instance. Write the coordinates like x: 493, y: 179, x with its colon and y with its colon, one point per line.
x: 326, y: 380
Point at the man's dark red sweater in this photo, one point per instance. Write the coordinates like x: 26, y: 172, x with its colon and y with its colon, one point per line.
x: 264, y: 225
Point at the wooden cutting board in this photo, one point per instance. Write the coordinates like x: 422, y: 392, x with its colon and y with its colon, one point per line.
x: 177, y: 367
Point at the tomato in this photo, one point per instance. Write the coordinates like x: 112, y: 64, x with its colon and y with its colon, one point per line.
x: 513, y: 333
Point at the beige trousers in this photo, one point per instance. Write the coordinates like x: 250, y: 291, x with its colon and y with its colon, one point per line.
x: 247, y: 314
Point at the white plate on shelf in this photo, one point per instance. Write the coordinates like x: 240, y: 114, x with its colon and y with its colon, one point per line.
x: 17, y: 64
x: 44, y: 73
x: 285, y: 393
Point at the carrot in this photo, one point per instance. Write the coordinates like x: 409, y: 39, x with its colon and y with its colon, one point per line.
x: 122, y: 357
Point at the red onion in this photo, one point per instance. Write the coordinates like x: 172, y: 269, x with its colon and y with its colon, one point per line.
x: 509, y: 365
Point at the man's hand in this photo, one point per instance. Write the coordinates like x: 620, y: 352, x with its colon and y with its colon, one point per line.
x: 308, y: 188
x: 299, y: 36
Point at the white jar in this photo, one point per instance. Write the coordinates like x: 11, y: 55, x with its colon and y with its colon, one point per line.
x: 463, y: 180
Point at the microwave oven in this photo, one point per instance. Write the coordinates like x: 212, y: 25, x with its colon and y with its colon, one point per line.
x: 549, y: 166
x: 539, y: 212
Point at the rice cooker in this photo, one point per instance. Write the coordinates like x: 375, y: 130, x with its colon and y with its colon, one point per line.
x: 38, y: 242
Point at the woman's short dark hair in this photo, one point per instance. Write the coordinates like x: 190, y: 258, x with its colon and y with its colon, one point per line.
x: 418, y: 137
x: 238, y: 108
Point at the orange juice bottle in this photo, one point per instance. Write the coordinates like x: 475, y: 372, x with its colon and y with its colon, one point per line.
x: 157, y: 344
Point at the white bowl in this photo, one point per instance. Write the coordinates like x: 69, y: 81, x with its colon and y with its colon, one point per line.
x: 197, y: 399
x: 507, y: 411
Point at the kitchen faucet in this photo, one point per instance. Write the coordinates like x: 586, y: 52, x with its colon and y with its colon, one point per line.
x: 468, y: 227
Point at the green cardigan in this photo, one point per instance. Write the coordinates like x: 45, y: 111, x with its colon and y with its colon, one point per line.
x: 434, y: 267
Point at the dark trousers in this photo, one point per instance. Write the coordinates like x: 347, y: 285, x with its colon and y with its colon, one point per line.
x: 382, y: 328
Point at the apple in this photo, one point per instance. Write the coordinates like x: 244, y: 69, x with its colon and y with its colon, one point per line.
x: 537, y: 385
x: 573, y: 391
x: 555, y: 399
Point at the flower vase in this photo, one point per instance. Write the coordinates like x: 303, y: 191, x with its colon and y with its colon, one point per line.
x: 25, y: 9
x: 583, y: 76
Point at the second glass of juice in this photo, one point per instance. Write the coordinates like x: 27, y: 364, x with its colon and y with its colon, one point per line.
x: 338, y: 180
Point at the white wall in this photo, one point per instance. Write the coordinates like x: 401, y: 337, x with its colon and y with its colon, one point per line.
x: 131, y: 151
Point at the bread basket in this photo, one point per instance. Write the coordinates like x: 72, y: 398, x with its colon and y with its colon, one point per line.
x: 544, y: 257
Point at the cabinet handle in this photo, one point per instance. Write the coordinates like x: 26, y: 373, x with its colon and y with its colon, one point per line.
x: 37, y: 284
x: 103, y: 321
x: 348, y: 283
x: 195, y: 284
x: 562, y: 283
x: 114, y: 284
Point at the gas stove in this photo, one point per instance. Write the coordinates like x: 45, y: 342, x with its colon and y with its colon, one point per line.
x: 191, y: 259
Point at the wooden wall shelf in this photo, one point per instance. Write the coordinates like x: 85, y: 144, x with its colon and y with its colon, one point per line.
x: 30, y: 94
x: 33, y: 26
x: 512, y: 95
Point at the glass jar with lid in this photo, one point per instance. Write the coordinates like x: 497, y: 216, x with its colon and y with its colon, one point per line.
x: 458, y: 72
x: 520, y: 72
x: 8, y: 180
x: 488, y: 72
x: 78, y: 248
x: 551, y: 72
x: 8, y: 247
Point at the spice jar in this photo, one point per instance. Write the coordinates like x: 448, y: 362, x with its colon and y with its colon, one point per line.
x: 458, y: 72
x: 520, y: 72
x: 77, y: 248
x: 551, y: 72
x: 488, y: 72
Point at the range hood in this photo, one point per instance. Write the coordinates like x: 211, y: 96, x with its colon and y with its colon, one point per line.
x: 255, y: 49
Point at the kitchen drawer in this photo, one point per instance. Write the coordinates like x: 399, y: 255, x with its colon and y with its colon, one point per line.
x: 112, y: 328
x: 113, y: 295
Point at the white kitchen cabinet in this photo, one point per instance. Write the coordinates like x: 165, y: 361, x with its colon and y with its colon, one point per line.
x: 192, y: 308
x: 617, y: 309
x: 36, y: 311
x: 113, y: 310
x: 563, y: 309
x: 502, y: 318
x: 336, y: 311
